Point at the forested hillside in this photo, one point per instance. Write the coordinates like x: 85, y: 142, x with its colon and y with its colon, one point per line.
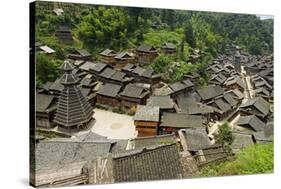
x: 98, y: 27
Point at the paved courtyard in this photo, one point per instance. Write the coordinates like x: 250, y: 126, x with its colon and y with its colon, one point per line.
x: 113, y: 125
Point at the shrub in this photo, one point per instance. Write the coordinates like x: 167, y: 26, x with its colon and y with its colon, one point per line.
x: 251, y: 160
x: 224, y: 136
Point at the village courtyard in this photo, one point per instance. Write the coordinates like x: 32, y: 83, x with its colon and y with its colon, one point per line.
x: 114, y: 125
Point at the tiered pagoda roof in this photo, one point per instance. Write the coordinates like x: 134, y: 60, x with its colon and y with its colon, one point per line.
x: 72, y: 109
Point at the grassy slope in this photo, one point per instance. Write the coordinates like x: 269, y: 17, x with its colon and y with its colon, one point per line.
x: 251, y: 160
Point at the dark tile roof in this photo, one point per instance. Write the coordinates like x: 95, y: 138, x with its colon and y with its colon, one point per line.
x: 142, y: 142
x: 210, y: 92
x: 236, y: 94
x: 87, y: 66
x: 164, y: 102
x: 98, y: 67
x: 235, y: 80
x: 218, y: 78
x: 148, y: 73
x: 153, y: 163
x: 85, y: 91
x: 83, y: 52
x: 63, y: 29
x: 128, y: 67
x: 181, y: 120
x: 189, y: 105
x: 109, y: 89
x: 47, y: 85
x: 91, y: 137
x: 146, y: 48
x: 56, y: 86
x: 118, y: 76
x: 230, y: 100
x: 138, y: 70
x: 262, y: 91
x: 107, y: 73
x: 259, y: 103
x: 58, y: 154
x: 108, y: 52
x: 86, y: 81
x: 223, y: 106
x: 163, y: 91
x: 177, y: 86
x: 124, y: 55
x: 43, y: 102
x: 261, y: 137
x: 192, y: 75
x: 241, y: 141
x: 187, y: 83
x: 252, y: 121
x: 147, y: 113
x: 196, y: 139
x: 134, y: 91
x: 168, y: 46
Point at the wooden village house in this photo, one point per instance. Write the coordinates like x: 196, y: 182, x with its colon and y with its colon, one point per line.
x: 45, y: 110
x: 108, y: 95
x: 147, y: 120
x: 168, y: 49
x: 124, y: 58
x: 172, y: 122
x: 165, y: 103
x: 80, y: 54
x: 255, y: 106
x: 108, y: 56
x: 143, y: 75
x: 146, y: 54
x: 133, y: 95
x: 64, y: 35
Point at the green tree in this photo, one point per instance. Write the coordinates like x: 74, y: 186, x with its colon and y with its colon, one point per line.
x: 224, y: 136
x: 189, y: 36
x: 46, y: 69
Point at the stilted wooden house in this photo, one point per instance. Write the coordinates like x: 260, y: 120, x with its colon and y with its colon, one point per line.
x: 81, y: 54
x: 249, y: 124
x: 217, y: 79
x: 146, y: 54
x: 172, y: 122
x: 133, y: 95
x: 198, y: 144
x: 165, y: 103
x: 64, y: 34
x: 45, y: 110
x: 181, y: 87
x: 108, y: 57
x: 74, y: 112
x: 192, y: 76
x: 168, y: 49
x: 147, y: 120
x: 144, y: 75
x: 124, y: 58
x: 235, y: 82
x: 108, y: 95
x: 255, y: 106
x: 209, y: 92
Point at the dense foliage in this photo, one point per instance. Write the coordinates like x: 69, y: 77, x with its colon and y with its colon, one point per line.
x: 224, y: 136
x: 98, y: 27
x: 46, y: 69
x: 255, y: 159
